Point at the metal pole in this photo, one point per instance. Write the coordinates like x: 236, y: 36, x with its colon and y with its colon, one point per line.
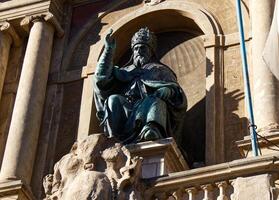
x: 252, y: 126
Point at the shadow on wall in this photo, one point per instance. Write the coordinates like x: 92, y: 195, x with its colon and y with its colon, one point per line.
x: 193, y: 138
x: 193, y: 131
x: 235, y: 127
x: 193, y: 135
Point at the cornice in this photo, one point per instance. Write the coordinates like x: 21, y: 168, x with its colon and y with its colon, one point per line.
x: 18, y: 9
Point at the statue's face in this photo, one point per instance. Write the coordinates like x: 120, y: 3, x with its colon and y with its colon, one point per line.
x: 141, y: 54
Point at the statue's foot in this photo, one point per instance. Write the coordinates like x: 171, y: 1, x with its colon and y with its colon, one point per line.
x: 150, y: 132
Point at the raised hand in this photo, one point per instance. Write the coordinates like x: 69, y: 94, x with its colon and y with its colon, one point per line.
x: 109, y: 41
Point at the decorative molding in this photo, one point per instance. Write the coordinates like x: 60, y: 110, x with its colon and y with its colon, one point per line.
x: 48, y: 17
x: 152, y: 2
x: 213, y: 41
x: 224, y: 40
x: 6, y: 27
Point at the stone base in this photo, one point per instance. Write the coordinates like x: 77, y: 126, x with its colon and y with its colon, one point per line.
x: 266, y: 147
x: 14, y: 189
x: 253, y: 188
x: 160, y: 157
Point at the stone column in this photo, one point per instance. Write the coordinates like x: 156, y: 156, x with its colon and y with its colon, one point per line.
x: 265, y: 92
x: 23, y: 135
x: 5, y: 45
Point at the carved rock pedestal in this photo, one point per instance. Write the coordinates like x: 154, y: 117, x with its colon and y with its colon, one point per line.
x: 15, y: 189
x: 96, y: 168
x: 101, y: 168
x: 160, y: 157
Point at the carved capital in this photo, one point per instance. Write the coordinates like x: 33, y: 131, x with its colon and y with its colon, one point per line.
x: 49, y: 17
x: 6, y: 27
x: 26, y: 23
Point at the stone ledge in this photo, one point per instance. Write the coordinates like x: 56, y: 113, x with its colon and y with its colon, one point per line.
x: 212, y: 174
x: 245, y: 147
x: 15, y: 189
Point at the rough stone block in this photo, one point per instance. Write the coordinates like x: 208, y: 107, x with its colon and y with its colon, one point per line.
x: 252, y: 188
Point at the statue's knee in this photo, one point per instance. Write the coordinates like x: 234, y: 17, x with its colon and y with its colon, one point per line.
x: 114, y: 101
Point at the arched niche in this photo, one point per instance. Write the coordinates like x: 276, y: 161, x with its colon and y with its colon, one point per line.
x: 169, y: 17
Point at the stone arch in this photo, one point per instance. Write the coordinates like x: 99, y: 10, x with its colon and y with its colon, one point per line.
x: 201, y: 20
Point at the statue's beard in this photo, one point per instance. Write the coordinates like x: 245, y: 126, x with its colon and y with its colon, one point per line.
x: 140, y: 61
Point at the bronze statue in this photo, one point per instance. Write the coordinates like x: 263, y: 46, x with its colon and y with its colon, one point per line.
x: 142, y: 100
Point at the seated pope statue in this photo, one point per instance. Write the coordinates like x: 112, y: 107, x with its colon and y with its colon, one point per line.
x: 142, y: 100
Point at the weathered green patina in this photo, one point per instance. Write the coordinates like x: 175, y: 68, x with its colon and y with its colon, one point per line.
x: 142, y: 100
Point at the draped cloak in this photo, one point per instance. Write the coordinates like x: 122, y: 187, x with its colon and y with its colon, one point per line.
x: 137, y: 86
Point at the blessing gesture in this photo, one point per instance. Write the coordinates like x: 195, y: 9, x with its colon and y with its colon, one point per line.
x: 109, y: 41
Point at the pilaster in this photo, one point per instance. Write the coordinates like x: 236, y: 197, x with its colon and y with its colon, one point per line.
x: 23, y: 135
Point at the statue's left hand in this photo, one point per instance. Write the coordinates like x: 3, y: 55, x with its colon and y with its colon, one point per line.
x: 109, y: 42
x: 164, y: 93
